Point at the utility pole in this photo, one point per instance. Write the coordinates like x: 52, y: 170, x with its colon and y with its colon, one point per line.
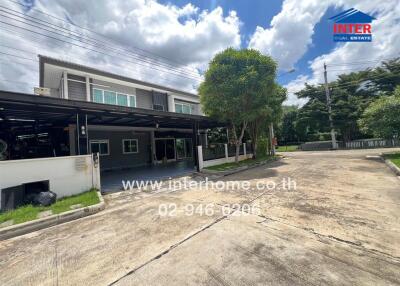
x: 328, y: 103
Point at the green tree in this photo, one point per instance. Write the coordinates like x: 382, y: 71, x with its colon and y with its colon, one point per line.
x: 270, y: 113
x: 351, y: 94
x: 382, y: 117
x: 236, y: 87
x: 287, y: 131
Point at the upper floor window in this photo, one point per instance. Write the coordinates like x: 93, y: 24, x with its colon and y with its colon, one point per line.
x: 158, y: 107
x: 112, y: 97
x: 183, y: 107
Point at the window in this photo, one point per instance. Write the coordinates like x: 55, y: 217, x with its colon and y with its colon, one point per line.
x: 112, y: 97
x: 130, y: 146
x: 122, y: 99
x: 132, y: 101
x: 158, y: 107
x: 99, y: 146
x: 183, y: 108
x: 97, y: 95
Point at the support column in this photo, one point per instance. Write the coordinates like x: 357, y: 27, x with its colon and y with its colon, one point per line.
x: 200, y: 157
x: 171, y: 103
x: 195, y: 144
x: 82, y: 134
x: 72, y: 139
x: 153, y: 148
x: 65, y: 84
x: 87, y: 88
x: 244, y: 150
x: 226, y: 151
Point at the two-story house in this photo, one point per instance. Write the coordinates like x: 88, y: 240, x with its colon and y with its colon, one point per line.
x: 84, y: 110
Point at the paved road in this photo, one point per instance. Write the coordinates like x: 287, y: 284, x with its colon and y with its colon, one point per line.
x: 340, y: 226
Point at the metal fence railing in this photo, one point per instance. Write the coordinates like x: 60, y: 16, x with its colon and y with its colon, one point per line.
x: 232, y: 150
x: 356, y: 144
x: 213, y: 151
x: 217, y: 151
x: 372, y: 143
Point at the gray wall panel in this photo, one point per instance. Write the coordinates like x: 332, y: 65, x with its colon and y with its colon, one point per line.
x: 144, y: 98
x: 118, y: 160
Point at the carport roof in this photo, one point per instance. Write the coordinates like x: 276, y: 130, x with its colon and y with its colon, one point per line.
x: 45, y: 109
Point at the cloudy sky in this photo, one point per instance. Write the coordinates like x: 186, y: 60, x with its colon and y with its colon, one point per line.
x: 171, y: 42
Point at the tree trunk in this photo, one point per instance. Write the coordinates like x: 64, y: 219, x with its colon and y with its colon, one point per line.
x: 238, y: 140
x: 254, y: 127
x: 254, y: 149
x: 237, y: 152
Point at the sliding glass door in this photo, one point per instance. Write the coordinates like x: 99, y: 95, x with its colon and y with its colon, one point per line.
x: 184, y: 148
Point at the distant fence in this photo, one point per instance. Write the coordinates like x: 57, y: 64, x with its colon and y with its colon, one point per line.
x: 356, y: 144
x: 372, y: 143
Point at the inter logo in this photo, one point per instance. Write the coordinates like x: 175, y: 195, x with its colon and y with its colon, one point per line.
x: 352, y: 26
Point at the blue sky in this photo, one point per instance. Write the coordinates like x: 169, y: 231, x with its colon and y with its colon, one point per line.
x: 260, y: 13
x: 188, y: 33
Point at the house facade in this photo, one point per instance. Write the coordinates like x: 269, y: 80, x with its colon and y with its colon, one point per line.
x: 81, y: 110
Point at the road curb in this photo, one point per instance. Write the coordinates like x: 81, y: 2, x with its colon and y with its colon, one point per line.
x: 41, y: 223
x: 392, y: 166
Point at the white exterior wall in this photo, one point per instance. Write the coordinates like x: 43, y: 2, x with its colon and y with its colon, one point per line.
x: 67, y: 175
x: 208, y: 163
x: 225, y: 160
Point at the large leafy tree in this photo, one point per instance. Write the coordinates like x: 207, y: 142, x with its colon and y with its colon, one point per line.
x: 351, y: 94
x: 269, y: 113
x: 382, y: 117
x: 287, y: 128
x: 236, y: 88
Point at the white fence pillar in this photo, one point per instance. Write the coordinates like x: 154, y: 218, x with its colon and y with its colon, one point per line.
x: 244, y: 149
x: 226, y: 151
x: 200, y: 157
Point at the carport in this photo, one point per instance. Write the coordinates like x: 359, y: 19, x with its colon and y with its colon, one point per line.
x: 51, y: 127
x: 111, y: 181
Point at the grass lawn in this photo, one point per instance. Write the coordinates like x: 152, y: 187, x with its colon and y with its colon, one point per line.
x: 247, y: 162
x: 290, y: 148
x: 395, y: 158
x: 30, y: 212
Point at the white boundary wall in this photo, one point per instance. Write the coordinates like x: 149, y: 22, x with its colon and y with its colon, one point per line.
x: 208, y: 163
x: 67, y: 176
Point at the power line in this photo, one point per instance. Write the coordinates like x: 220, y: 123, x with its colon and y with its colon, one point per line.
x: 90, y: 41
x: 18, y: 63
x: 14, y: 81
x: 94, y: 50
x: 362, y: 80
x: 170, y: 70
x: 18, y: 57
x: 14, y: 48
x: 362, y: 62
x: 38, y: 40
x: 350, y: 83
x: 93, y: 32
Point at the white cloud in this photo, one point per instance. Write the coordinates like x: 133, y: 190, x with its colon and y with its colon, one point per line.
x: 186, y: 36
x: 291, y: 31
x: 295, y: 86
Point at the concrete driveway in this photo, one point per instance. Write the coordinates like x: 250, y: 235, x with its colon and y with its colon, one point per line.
x: 340, y: 226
